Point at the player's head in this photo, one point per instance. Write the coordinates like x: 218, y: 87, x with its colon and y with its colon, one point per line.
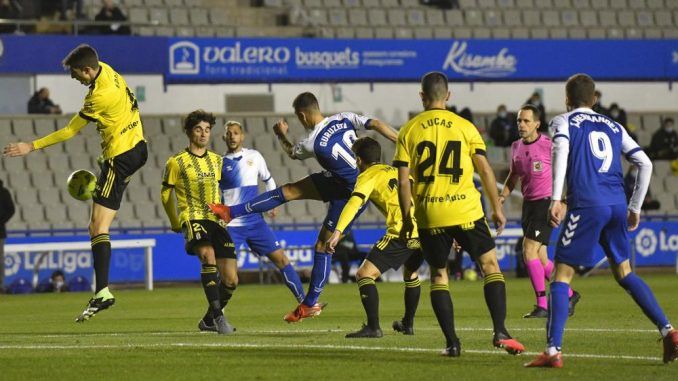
x: 233, y: 135
x: 83, y: 63
x: 528, y: 122
x: 307, y: 109
x: 434, y: 90
x: 367, y: 152
x: 198, y: 127
x: 580, y: 91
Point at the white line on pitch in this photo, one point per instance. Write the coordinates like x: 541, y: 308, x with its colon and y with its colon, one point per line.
x: 302, y: 346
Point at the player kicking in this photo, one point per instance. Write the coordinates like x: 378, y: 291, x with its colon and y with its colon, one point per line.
x: 378, y: 183
x: 193, y: 175
x: 239, y: 178
x: 111, y: 105
x: 329, y: 140
x: 441, y: 150
x: 531, y: 164
x: 587, y: 149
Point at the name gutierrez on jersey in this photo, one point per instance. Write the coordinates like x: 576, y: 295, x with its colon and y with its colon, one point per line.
x: 578, y: 119
x: 324, y: 139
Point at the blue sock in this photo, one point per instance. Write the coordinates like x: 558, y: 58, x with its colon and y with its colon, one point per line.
x: 641, y: 293
x: 262, y: 203
x: 555, y: 325
x: 322, y: 265
x: 293, y: 282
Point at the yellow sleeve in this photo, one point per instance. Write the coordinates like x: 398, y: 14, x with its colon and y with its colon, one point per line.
x: 170, y: 174
x: 475, y: 141
x: 348, y: 213
x: 74, y: 126
x: 94, y: 104
x: 402, y: 156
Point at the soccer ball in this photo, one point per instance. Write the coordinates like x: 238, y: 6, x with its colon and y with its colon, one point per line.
x: 470, y: 274
x: 81, y: 184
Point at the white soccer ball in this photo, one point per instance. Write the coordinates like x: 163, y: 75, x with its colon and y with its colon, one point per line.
x: 81, y: 184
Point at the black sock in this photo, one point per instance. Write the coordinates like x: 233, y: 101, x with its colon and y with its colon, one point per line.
x: 370, y: 298
x: 412, y: 293
x: 210, y: 284
x: 495, y: 297
x: 225, y: 294
x: 442, y: 306
x: 101, y: 253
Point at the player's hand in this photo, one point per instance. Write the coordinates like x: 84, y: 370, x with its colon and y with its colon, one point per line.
x: 273, y: 212
x: 499, y: 221
x: 407, y: 228
x: 17, y: 149
x: 332, y: 243
x: 557, y: 212
x: 502, y: 199
x: 280, y: 128
x: 632, y: 220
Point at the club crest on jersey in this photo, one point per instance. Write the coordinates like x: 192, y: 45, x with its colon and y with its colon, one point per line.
x: 537, y: 166
x: 250, y: 162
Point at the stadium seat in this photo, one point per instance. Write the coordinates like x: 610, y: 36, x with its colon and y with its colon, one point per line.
x: 454, y: 17
x: 670, y: 33
x: 551, y: 18
x: 383, y: 32
x: 607, y: 18
x: 618, y: 4
x: 358, y: 17
x: 138, y: 15
x: 256, y: 126
x: 179, y: 16
x: 332, y: 3
x: 633, y: 33
x: 599, y: 4
x: 462, y: 33
x: 659, y: 4
x: 23, y: 128
x: 434, y: 17
x: 198, y: 17
x: 525, y: 4
x: 520, y: 33
x: 512, y: 17
x: 338, y: 17
x: 626, y: 18
x: 416, y: 17
x: 531, y: 17
x: 581, y: 5
x: 506, y: 4
x: 493, y: 18
x: 588, y: 18
x: 596, y: 33
x: 44, y: 126
x: 473, y: 17
x: 637, y: 4
x: 410, y: 3
x: 371, y: 3
x: 390, y: 3
x: 423, y: 33
x: 396, y: 17
x: 468, y: 4
x: 644, y: 19
x: 404, y: 33
x: 569, y: 18
x: 159, y: 16
x: 562, y: 4
x: 445, y: 33
x: 170, y: 3
x: 543, y: 4
x: 481, y: 33
x: 56, y: 213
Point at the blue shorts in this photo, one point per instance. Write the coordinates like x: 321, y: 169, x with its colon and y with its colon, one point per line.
x: 336, y: 192
x: 583, y: 227
x: 258, y: 236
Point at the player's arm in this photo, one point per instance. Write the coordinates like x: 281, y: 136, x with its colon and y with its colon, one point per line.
x: 383, y: 129
x: 509, y: 185
x: 280, y: 129
x: 490, y: 186
x: 560, y: 152
x: 167, y: 194
x: 76, y: 124
x: 637, y: 157
x: 405, y: 201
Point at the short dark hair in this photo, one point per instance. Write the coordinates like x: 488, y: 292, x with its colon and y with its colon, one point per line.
x: 580, y: 90
x: 536, y: 114
x: 305, y: 101
x: 668, y: 119
x: 196, y: 117
x: 80, y: 57
x: 434, y: 85
x: 367, y: 149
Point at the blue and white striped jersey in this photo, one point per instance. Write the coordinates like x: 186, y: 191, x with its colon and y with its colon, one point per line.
x: 240, y: 178
x: 330, y: 143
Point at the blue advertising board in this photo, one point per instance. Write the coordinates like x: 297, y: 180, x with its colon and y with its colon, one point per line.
x: 256, y: 60
x: 654, y: 243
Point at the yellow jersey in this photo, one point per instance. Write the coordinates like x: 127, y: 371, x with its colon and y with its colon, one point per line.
x: 195, y: 180
x: 379, y: 184
x: 437, y: 145
x: 112, y: 106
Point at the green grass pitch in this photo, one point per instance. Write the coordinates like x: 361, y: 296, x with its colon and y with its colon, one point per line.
x: 153, y: 336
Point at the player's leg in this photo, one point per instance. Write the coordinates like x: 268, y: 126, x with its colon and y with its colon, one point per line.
x: 412, y: 293
x: 369, y: 296
x: 436, y: 245
x: 209, y: 278
x: 261, y: 239
x: 535, y: 270
x: 304, y: 189
x: 615, y: 243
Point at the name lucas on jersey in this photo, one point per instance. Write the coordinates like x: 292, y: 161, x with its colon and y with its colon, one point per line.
x: 446, y: 198
x: 433, y: 122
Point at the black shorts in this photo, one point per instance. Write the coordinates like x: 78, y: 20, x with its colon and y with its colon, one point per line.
x: 116, y: 173
x: 535, y: 220
x: 391, y: 253
x: 201, y: 232
x: 474, y: 238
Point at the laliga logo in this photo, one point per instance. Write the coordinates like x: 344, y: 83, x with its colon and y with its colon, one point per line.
x: 646, y: 242
x: 184, y: 58
x: 500, y: 65
x: 12, y: 263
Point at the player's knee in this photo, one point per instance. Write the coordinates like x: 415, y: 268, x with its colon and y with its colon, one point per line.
x: 320, y: 246
x: 279, y: 259
x: 290, y: 192
x: 367, y: 273
x: 439, y: 276
x: 409, y: 275
x: 96, y: 228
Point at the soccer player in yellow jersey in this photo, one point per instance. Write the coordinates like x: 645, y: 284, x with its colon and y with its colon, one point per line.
x: 111, y: 105
x: 193, y: 175
x: 379, y: 183
x: 440, y: 150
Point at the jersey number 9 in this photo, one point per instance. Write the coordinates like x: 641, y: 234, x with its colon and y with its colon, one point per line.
x: 601, y: 148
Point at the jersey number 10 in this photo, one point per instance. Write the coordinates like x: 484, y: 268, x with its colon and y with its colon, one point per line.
x: 339, y: 151
x: 445, y: 168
